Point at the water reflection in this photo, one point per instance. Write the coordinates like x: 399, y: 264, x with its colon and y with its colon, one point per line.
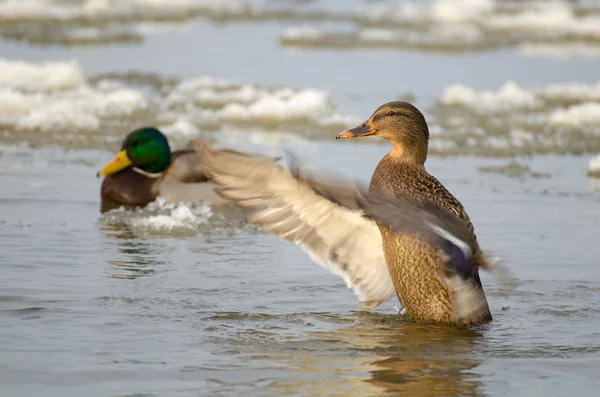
x: 594, y: 184
x: 380, y: 355
x: 136, y: 258
x: 417, y: 360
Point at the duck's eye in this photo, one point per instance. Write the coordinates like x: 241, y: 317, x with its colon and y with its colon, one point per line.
x: 136, y: 143
x: 391, y: 113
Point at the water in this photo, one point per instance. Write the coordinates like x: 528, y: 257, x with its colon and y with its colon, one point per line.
x: 174, y: 300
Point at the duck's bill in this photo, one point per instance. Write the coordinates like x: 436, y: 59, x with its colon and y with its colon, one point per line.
x: 120, y: 161
x: 365, y: 129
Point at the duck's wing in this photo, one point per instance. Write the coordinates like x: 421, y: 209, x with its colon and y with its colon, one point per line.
x: 187, y: 165
x: 186, y: 178
x: 339, y: 239
x: 404, y: 214
x: 436, y: 225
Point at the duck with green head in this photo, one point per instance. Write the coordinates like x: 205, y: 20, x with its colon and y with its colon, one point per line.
x: 146, y: 149
x: 145, y: 169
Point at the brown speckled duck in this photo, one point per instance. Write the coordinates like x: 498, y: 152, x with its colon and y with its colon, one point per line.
x: 405, y: 235
x: 415, y: 267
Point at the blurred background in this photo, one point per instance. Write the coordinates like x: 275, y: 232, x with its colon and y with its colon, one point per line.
x: 174, y: 300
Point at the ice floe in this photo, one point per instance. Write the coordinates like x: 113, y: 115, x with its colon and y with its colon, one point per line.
x: 460, y: 25
x: 594, y: 167
x: 57, y: 103
x: 558, y: 118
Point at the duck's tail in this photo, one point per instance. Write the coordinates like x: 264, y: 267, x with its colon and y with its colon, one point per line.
x: 499, y: 270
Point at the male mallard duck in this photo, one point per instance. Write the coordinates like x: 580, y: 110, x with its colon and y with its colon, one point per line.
x: 406, y: 235
x: 145, y: 168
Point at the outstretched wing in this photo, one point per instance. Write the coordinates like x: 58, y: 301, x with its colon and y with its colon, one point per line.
x: 436, y: 225
x: 188, y: 165
x: 339, y: 239
x: 403, y: 214
x: 186, y: 178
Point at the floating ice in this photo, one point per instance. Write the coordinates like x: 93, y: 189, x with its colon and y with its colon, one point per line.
x: 560, y: 51
x: 112, y: 10
x: 594, y: 167
x: 56, y: 103
x: 302, y: 33
x: 100, y: 21
x: 473, y: 24
x: 460, y: 25
x: 281, y: 105
x: 553, y: 18
x: 573, y: 91
x: 182, y: 127
x: 557, y: 118
x: 73, y: 110
x: 55, y: 95
x: 44, y: 76
x: 510, y: 96
x: 460, y: 11
x: 577, y: 115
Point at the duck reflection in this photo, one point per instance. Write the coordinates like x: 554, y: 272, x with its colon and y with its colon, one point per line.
x: 387, y: 355
x: 434, y: 361
x: 136, y: 257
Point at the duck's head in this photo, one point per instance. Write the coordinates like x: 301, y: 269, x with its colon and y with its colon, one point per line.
x: 400, y: 123
x: 145, y: 148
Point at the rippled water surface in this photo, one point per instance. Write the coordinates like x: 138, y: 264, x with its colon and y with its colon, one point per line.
x: 174, y: 300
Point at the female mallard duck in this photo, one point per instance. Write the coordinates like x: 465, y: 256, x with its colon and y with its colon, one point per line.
x: 406, y: 234
x: 145, y: 169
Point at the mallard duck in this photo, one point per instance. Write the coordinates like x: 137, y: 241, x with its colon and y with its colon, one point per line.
x: 145, y: 169
x: 405, y: 235
x: 425, y: 285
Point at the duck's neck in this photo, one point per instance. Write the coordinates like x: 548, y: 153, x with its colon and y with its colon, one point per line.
x: 403, y: 154
x: 154, y: 175
x: 396, y: 167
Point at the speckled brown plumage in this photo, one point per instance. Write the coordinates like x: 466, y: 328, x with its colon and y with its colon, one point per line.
x: 418, y: 269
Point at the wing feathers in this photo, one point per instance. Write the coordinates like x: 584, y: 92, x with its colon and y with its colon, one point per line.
x: 337, y: 238
x: 336, y: 223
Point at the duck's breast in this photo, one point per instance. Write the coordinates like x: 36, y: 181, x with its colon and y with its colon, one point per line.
x: 128, y: 187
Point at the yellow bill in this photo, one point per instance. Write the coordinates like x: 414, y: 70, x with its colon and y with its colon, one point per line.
x: 120, y: 161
